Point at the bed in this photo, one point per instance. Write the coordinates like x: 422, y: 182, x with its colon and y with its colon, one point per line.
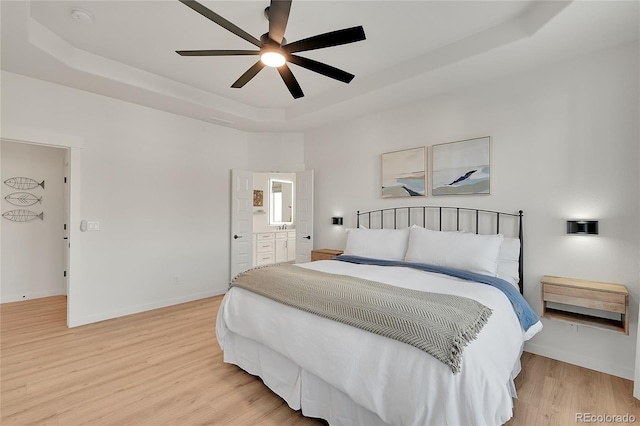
x: 348, y: 375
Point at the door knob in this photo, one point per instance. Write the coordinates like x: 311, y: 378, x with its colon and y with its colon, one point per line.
x: 235, y: 237
x: 308, y: 237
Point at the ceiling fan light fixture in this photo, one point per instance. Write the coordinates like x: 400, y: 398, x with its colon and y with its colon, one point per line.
x: 272, y: 58
x: 274, y: 50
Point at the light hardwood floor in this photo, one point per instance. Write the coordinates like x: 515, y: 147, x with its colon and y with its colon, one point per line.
x: 164, y: 367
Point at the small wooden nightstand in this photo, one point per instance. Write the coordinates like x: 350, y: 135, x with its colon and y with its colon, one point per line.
x: 324, y: 254
x: 598, y: 296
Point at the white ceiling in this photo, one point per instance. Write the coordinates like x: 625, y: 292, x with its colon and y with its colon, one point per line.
x: 414, y: 49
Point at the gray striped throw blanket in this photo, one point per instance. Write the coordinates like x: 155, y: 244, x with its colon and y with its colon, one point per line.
x: 438, y: 324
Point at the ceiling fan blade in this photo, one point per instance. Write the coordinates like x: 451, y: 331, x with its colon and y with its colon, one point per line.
x: 248, y: 75
x: 278, y: 17
x: 320, y: 68
x: 217, y: 52
x: 290, y: 81
x: 333, y: 38
x: 207, y: 13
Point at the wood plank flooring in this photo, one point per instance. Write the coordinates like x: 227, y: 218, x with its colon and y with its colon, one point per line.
x: 164, y: 367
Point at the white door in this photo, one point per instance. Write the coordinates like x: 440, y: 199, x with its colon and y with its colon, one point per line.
x: 241, y: 221
x: 65, y: 237
x: 304, y: 216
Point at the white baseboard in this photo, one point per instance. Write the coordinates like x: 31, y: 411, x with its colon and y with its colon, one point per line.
x: 29, y: 296
x: 580, y: 360
x: 88, y: 319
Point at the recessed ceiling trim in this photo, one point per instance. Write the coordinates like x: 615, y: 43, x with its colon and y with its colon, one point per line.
x: 518, y: 28
x: 39, y: 41
x: 220, y: 121
x: 80, y: 60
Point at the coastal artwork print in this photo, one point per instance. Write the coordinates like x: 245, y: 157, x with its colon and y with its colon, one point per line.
x: 462, y: 168
x: 404, y: 173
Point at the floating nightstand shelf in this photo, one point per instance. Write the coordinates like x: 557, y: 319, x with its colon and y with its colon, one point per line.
x: 324, y: 254
x: 599, y: 298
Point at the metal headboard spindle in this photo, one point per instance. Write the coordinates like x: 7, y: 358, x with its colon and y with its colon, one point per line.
x: 477, y: 217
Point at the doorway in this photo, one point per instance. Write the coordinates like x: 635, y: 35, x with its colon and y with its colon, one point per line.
x: 246, y: 215
x: 35, y: 216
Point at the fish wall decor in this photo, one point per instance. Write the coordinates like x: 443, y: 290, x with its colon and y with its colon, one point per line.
x: 22, y: 215
x: 23, y: 199
x: 23, y: 183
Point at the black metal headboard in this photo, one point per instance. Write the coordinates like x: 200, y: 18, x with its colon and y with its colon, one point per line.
x: 395, y: 217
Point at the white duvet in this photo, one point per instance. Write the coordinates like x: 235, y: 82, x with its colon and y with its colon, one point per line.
x: 400, y: 383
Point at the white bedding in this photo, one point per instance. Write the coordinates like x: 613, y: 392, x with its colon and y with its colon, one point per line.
x: 398, y: 382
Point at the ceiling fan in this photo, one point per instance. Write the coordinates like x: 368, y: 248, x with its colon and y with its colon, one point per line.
x: 274, y: 51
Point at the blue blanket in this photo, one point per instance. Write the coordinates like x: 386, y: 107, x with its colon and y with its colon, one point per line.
x: 523, y: 310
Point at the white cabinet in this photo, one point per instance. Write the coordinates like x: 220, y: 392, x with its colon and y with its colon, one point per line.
x: 264, y: 248
x: 274, y: 247
x: 255, y: 246
x: 291, y: 246
x: 281, y: 247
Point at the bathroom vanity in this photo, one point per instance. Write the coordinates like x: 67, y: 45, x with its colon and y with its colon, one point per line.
x: 274, y: 247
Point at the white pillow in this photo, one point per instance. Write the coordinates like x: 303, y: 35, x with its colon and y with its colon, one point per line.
x: 387, y: 244
x: 469, y: 252
x: 509, y: 261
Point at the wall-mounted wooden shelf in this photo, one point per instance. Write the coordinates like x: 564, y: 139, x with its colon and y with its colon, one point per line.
x: 598, y: 297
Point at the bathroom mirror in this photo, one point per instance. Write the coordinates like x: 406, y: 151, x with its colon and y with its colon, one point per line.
x: 280, y: 202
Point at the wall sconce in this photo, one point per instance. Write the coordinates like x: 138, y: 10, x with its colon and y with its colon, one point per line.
x: 336, y: 220
x: 582, y: 227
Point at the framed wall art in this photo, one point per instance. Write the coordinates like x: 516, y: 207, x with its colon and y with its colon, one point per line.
x: 258, y: 198
x: 462, y: 168
x: 404, y: 173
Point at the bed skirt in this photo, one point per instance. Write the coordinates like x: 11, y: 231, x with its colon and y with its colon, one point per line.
x: 300, y: 389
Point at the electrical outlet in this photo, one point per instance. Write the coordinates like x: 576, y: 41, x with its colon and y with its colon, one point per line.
x: 176, y: 280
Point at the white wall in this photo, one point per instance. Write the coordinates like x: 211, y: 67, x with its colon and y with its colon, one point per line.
x: 33, y: 252
x: 158, y: 184
x: 565, y: 145
x: 276, y: 152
